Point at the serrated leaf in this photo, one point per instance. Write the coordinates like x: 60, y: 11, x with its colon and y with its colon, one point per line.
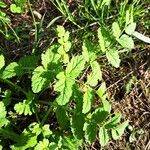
x: 77, y: 123
x: 25, y: 107
x: 99, y: 115
x: 64, y: 85
x: 118, y: 131
x: 42, y: 145
x: 130, y: 28
x: 71, y: 143
x: 87, y: 100
x: 113, y: 57
x: 96, y: 74
x: 40, y: 79
x: 90, y: 130
x: 2, y: 61
x: 75, y: 67
x: 88, y: 51
x: 106, y: 105
x: 103, y: 136
x: 116, y: 30
x: 113, y: 121
x: 101, y: 40
x: 102, y: 91
x: 3, y: 112
x: 28, y: 62
x: 62, y: 117
x: 61, y: 31
x: 50, y: 57
x: 126, y: 41
x: 12, y: 70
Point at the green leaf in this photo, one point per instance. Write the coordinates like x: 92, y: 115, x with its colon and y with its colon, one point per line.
x: 101, y: 41
x: 113, y: 57
x: 42, y: 145
x: 116, y: 30
x: 102, y: 91
x: 50, y: 57
x: 77, y: 123
x: 62, y: 117
x: 24, y: 108
x: 90, y: 129
x: 28, y: 62
x: 3, y: 112
x: 99, y: 115
x: 118, y: 131
x: 46, y: 130
x: 103, y: 136
x: 126, y: 41
x: 75, y: 67
x: 41, y: 78
x: 113, y: 121
x: 130, y: 28
x: 106, y: 105
x: 3, y: 5
x: 15, y: 9
x: 2, y: 61
x: 53, y: 146
x: 64, y: 85
x: 96, y: 74
x: 87, y: 100
x: 88, y: 51
x: 71, y: 143
x: 12, y: 70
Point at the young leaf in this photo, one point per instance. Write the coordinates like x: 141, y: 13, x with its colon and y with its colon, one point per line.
x: 130, y: 28
x: 103, y: 136
x: 2, y: 61
x: 113, y: 57
x: 87, y: 100
x: 42, y: 145
x: 15, y: 9
x: 62, y: 117
x: 40, y: 79
x: 12, y: 70
x: 24, y: 107
x: 118, y: 131
x: 77, y: 123
x: 75, y: 67
x: 50, y: 57
x: 116, y: 30
x: 3, y: 112
x: 96, y: 74
x: 64, y: 85
x: 90, y: 131
x: 113, y: 121
x: 126, y: 41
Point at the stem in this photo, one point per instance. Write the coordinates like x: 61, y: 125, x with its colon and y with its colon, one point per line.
x: 46, y: 115
x: 14, y: 85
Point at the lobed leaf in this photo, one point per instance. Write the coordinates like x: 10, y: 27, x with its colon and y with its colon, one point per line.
x: 116, y: 30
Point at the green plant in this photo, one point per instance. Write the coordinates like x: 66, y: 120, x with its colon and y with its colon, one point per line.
x: 79, y: 119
